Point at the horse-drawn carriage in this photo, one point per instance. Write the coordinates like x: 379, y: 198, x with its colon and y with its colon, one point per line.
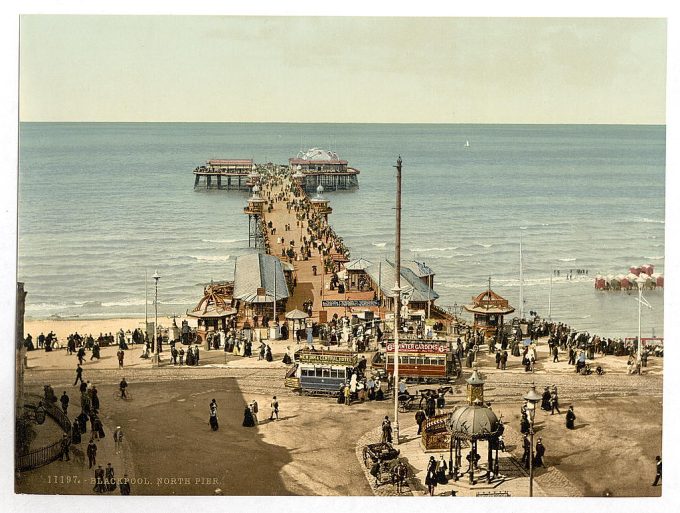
x: 381, y: 459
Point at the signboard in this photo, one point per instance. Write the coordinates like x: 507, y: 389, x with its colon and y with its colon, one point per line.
x: 418, y: 347
x: 328, y: 303
x: 328, y: 359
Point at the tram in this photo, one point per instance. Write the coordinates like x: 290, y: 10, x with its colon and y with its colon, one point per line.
x: 422, y: 360
x: 321, y: 372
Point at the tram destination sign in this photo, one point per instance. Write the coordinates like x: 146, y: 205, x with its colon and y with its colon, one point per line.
x: 331, y: 303
x: 328, y: 359
x: 417, y: 347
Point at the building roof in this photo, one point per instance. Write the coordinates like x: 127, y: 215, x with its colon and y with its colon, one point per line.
x: 230, y: 162
x: 385, y: 274
x: 317, y: 155
x: 259, y: 271
x: 360, y: 264
x: 473, y: 423
x: 488, y: 302
x: 419, y: 268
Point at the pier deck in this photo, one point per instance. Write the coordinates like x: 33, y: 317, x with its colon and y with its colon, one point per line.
x: 309, y: 287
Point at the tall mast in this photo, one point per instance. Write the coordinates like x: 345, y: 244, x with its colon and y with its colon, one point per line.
x: 521, y: 280
x: 397, y: 304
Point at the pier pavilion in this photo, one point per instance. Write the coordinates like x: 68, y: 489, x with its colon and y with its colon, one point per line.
x: 258, y: 279
x: 323, y: 167
x: 214, y: 310
x: 382, y: 276
x: 230, y: 174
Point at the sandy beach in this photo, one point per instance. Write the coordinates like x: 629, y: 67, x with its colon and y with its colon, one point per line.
x: 62, y: 328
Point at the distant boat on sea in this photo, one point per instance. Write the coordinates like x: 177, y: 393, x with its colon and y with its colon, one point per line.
x: 467, y: 143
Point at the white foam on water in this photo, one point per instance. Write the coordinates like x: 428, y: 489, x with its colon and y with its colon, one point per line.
x: 379, y: 244
x: 211, y: 258
x: 566, y: 259
x: 654, y: 257
x: 224, y: 241
x: 648, y: 220
x: 426, y: 250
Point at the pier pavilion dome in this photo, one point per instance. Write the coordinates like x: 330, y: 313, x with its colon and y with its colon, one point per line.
x: 318, y: 154
x: 319, y: 191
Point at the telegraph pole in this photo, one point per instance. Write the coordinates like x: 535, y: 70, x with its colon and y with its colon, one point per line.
x: 397, y: 304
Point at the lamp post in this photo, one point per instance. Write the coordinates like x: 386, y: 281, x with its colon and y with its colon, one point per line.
x: 157, y: 355
x: 532, y: 398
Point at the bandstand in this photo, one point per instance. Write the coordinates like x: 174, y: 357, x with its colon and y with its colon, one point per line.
x: 489, y: 309
x: 214, y: 310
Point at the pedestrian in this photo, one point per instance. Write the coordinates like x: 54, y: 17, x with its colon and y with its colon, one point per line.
x: 75, y: 432
x: 110, y: 478
x: 441, y: 403
x: 555, y: 353
x: 658, y: 471
x: 504, y: 360
x: 125, y: 485
x: 400, y: 474
x: 99, y: 486
x: 526, y: 445
x: 254, y: 408
x: 540, y: 451
x: 347, y: 391
x: 420, y: 418
x: 571, y: 417
x: 431, y: 476
x: 275, y: 409
x: 121, y: 357
x: 248, y: 420
x: 386, y: 430
x: 554, y: 402
x: 498, y: 359
x: 92, y: 453
x: 65, y: 447
x: 79, y: 375
x: 118, y: 439
x: 64, y: 402
x: 123, y: 388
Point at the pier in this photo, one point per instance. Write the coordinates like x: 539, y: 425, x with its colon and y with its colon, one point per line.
x: 311, y: 168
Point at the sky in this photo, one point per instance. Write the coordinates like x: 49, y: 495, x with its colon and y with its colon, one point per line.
x: 342, y: 69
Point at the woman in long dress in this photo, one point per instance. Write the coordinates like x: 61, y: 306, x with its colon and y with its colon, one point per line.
x: 571, y: 417
x: 248, y: 420
x: 213, y: 416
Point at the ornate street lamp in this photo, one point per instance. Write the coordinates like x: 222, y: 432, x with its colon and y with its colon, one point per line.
x: 157, y: 355
x: 532, y: 398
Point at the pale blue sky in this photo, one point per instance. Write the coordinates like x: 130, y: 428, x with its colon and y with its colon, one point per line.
x: 445, y: 70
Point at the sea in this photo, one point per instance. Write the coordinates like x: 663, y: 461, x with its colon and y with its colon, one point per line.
x: 102, y: 206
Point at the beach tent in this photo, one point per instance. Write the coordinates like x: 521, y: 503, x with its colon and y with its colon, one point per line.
x: 635, y: 270
x: 648, y: 269
x: 296, y: 315
x: 600, y: 282
x: 659, y: 280
x: 614, y: 282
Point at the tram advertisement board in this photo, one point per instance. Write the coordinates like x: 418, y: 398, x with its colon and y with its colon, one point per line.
x: 328, y: 359
x: 418, y: 347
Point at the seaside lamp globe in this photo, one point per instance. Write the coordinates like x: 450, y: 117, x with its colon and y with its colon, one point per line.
x: 156, y: 276
x: 532, y: 398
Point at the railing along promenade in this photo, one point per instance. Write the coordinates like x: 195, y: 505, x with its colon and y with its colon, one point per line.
x: 49, y: 453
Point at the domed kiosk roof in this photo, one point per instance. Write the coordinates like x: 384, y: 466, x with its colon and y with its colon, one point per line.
x: 473, y: 422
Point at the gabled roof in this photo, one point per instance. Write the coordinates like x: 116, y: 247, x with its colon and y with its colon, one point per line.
x: 384, y: 273
x: 259, y: 271
x: 419, y: 268
x: 360, y: 264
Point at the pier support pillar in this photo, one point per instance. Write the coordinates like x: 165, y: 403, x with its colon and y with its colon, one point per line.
x: 198, y: 179
x: 208, y: 179
x: 219, y: 182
